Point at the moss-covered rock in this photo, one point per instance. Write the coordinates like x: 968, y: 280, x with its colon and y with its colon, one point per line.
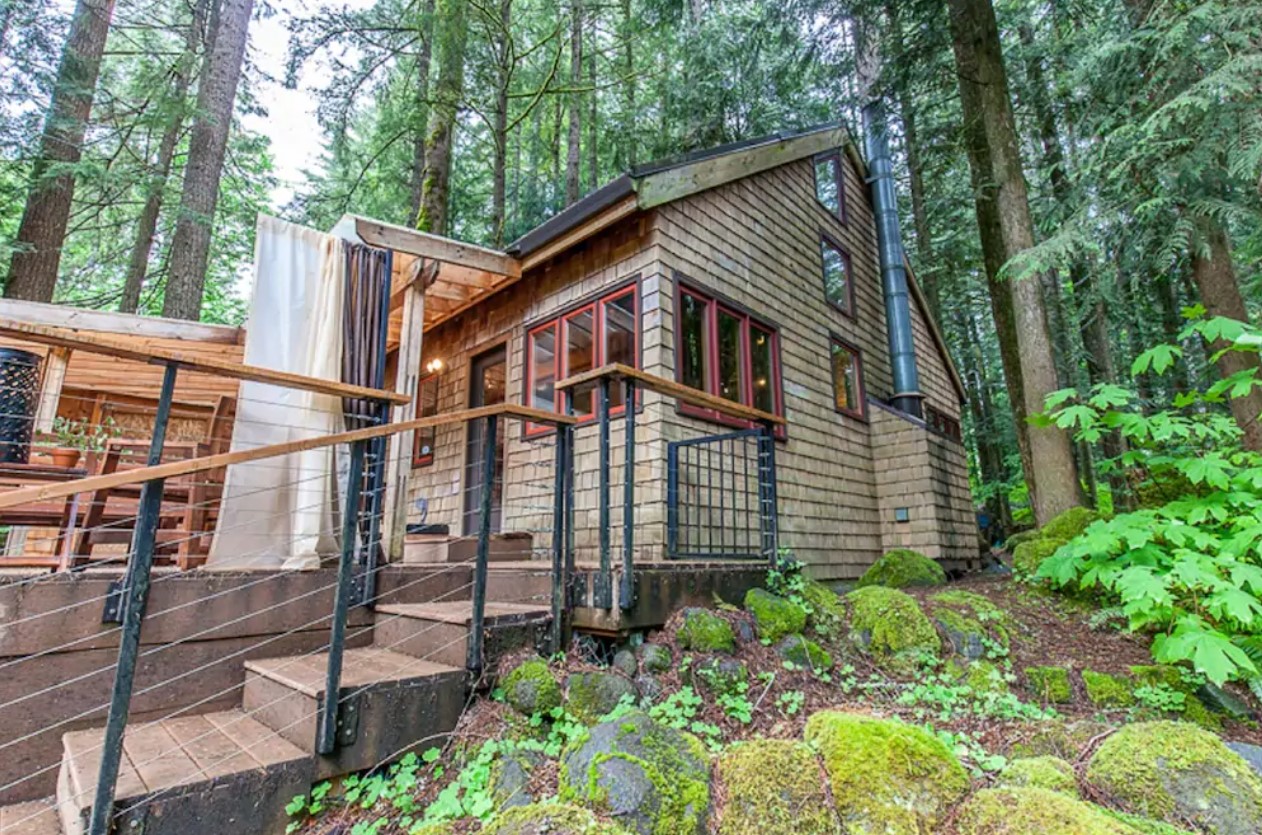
x: 886, y: 776
x: 550, y: 819
x: 828, y: 612
x: 1165, y: 675
x: 624, y: 661
x: 510, y: 779
x: 1177, y: 771
x: 530, y: 688
x: 1105, y: 690
x: 1195, y: 711
x: 774, y: 616
x: 890, y: 625
x: 903, y: 568
x: 773, y: 787
x: 805, y: 653
x: 1059, y: 738
x: 1051, y: 773
x: 971, y: 622
x: 655, y: 658
x: 1049, y: 684
x: 1028, y: 556
x: 652, y: 779
x: 1068, y: 524
x: 590, y: 696
x: 1033, y: 811
x: 1021, y: 536
x: 704, y: 631
x: 721, y: 676
x: 1146, y: 826
x: 985, y: 677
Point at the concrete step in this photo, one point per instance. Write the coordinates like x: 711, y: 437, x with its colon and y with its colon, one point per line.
x: 520, y: 582
x: 195, y: 775
x: 440, y: 631
x: 34, y: 817
x: 390, y: 703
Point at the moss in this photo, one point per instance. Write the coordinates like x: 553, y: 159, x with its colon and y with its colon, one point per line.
x: 1106, y: 690
x: 1068, y: 524
x: 550, y: 819
x: 1195, y: 711
x: 805, y: 653
x: 889, y: 623
x: 1021, y: 536
x: 655, y: 658
x: 1028, y: 556
x: 1051, y: 773
x: 590, y: 696
x: 530, y: 688
x: 774, y: 616
x: 903, y: 568
x: 1050, y: 684
x: 1059, y: 738
x: 721, y: 676
x: 1034, y: 811
x: 827, y: 610
x: 1175, y: 770
x: 704, y: 631
x: 886, y: 776
x: 773, y: 787
x: 1146, y: 826
x: 1161, y: 674
x: 981, y: 606
x: 985, y: 677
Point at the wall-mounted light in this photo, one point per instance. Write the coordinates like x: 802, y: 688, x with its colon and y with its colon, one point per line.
x: 434, y: 366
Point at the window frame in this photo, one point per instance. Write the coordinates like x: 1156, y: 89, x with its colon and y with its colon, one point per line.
x: 559, y: 321
x: 827, y: 240
x: 713, y: 303
x: 834, y: 154
x: 855, y: 351
x: 419, y: 460
x: 942, y: 424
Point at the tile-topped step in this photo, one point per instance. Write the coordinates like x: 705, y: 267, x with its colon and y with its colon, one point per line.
x: 34, y: 817
x: 440, y: 631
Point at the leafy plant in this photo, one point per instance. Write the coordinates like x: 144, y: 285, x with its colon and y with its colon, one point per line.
x: 791, y: 702
x: 84, y: 434
x: 1160, y: 697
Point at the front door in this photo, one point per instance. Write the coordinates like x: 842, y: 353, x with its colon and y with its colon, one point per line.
x: 488, y: 380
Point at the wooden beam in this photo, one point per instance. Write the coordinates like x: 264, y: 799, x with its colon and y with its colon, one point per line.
x: 670, y: 388
x: 174, y: 469
x: 407, y: 377
x: 608, y: 217
x: 402, y: 239
x: 63, y: 316
x: 73, y: 340
x: 55, y: 364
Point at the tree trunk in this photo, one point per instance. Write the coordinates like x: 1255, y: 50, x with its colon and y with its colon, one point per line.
x: 451, y: 33
x: 42, y: 233
x: 208, y: 144
x: 628, y: 88
x: 1006, y: 228
x: 421, y: 115
x: 1215, y: 277
x: 499, y: 140
x: 593, y: 142
x: 573, y: 146
x: 990, y: 456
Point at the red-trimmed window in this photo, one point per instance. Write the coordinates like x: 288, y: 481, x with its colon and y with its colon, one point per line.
x: 426, y: 406
x: 838, y: 282
x: 847, y: 363
x: 600, y: 332
x: 942, y: 423
x: 830, y: 184
x: 726, y: 352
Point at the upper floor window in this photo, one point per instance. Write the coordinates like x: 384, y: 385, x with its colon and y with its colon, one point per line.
x: 942, y: 423
x: 598, y: 333
x: 847, y: 378
x: 722, y: 350
x: 838, y: 283
x: 830, y: 183
x: 426, y: 406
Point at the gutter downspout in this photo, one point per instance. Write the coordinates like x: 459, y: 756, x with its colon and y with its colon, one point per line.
x: 907, y: 395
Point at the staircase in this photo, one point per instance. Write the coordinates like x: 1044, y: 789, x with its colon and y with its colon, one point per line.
x: 234, y: 771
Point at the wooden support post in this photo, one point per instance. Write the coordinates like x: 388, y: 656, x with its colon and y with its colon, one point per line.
x: 407, y: 377
x: 54, y: 376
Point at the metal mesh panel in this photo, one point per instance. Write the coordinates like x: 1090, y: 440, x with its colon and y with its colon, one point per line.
x: 19, y: 390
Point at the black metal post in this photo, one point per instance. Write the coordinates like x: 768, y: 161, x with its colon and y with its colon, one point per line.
x: 326, y: 734
x: 484, y: 545
x: 626, y: 587
x: 767, y: 490
x: 603, y: 593
x: 672, y: 500
x: 559, y: 577
x: 571, y: 593
x: 376, y: 504
x: 135, y: 598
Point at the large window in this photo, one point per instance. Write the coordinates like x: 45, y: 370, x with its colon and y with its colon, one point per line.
x: 426, y: 406
x: 600, y: 332
x: 722, y: 350
x: 847, y: 379
x: 838, y: 283
x: 830, y: 184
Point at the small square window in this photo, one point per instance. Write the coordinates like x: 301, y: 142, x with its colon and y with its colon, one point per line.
x: 830, y: 184
x: 847, y: 379
x: 838, y: 286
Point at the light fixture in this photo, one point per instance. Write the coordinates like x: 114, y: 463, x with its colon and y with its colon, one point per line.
x: 434, y: 366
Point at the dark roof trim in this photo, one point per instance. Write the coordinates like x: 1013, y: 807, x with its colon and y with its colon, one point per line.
x: 574, y: 215
x: 679, y: 160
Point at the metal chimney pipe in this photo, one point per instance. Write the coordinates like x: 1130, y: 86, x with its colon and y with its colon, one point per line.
x: 907, y: 396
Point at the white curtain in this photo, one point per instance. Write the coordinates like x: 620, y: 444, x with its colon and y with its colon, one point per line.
x: 282, y: 512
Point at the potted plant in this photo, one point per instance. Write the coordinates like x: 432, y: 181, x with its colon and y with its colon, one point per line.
x: 74, y: 437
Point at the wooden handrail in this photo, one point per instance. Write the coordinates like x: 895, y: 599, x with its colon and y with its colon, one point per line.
x: 45, y: 492
x: 74, y: 340
x: 670, y: 388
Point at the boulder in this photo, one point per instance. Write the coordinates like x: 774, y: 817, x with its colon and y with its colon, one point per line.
x: 655, y: 658
x: 721, y: 676
x: 773, y: 787
x: 774, y: 616
x: 828, y: 613
x: 1051, y: 773
x: 1105, y: 690
x: 1252, y: 754
x: 1221, y: 700
x: 903, y: 568
x: 804, y: 653
x: 1028, y: 556
x: 1059, y: 738
x: 652, y: 779
x: 625, y: 663
x: 649, y: 686
x: 1177, y: 771
x: 966, y: 635
x: 549, y: 819
x: 1021, y: 536
x: 886, y: 776
x: 590, y: 696
x: 704, y: 631
x: 530, y: 688
x: 510, y: 779
x: 1049, y: 684
x: 1033, y: 811
x: 1068, y: 524
x: 890, y: 625
x: 971, y: 622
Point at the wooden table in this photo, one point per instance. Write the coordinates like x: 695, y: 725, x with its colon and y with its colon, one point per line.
x: 61, y: 514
